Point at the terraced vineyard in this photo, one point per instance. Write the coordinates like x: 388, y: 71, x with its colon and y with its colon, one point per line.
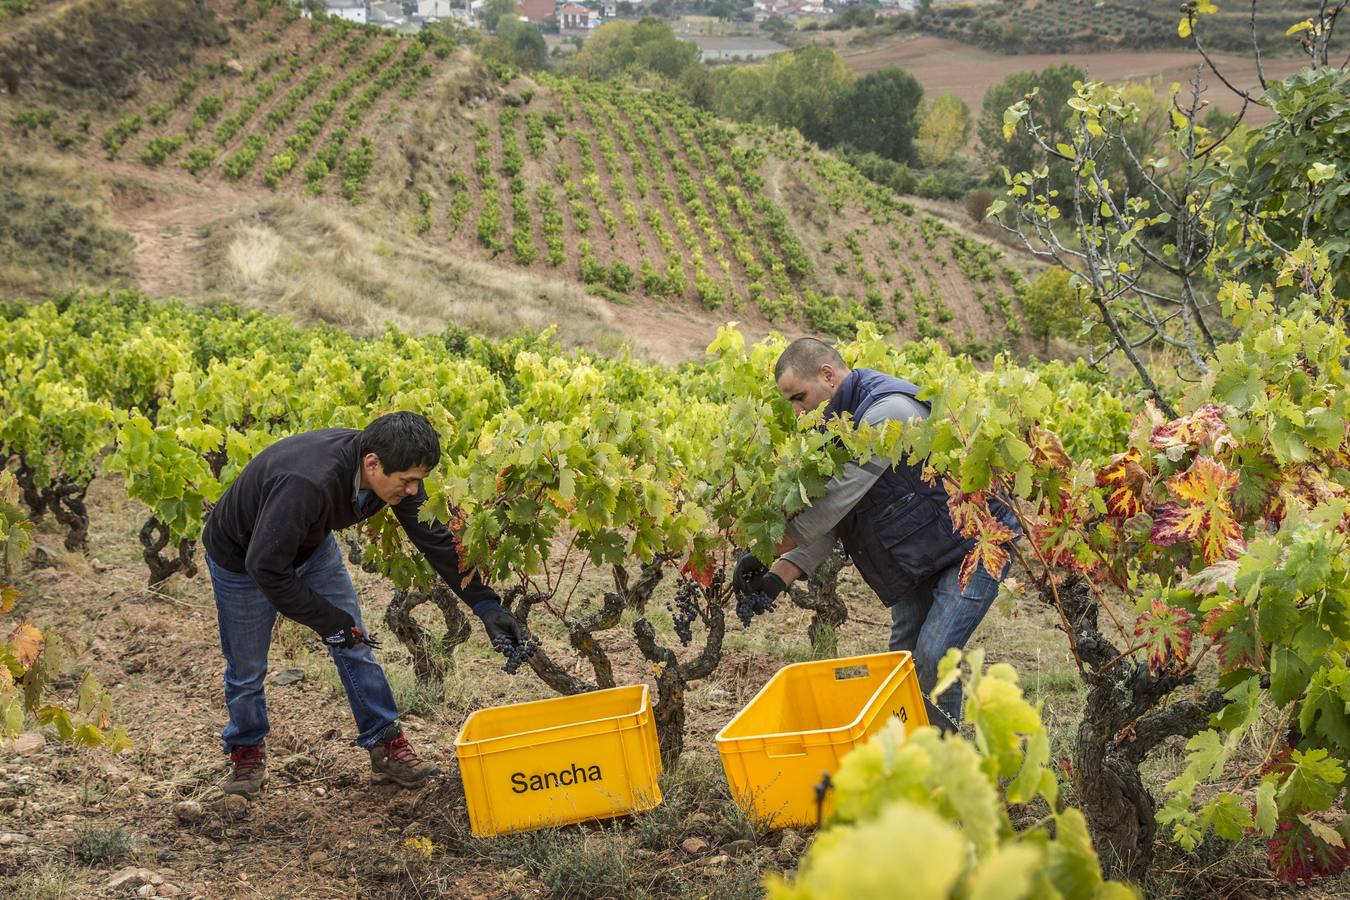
x: 290, y: 101
x: 635, y: 194
x: 640, y: 194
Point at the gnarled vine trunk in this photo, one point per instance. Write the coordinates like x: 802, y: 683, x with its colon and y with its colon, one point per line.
x: 66, y: 501
x: 821, y: 596
x: 154, y: 538
x: 428, y: 653
x: 1122, y: 723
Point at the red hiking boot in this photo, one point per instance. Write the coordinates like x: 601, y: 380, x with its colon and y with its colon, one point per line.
x: 250, y: 771
x: 394, y: 760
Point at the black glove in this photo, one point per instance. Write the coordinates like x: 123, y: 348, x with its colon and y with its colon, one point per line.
x: 756, y: 595
x: 768, y: 585
x: 748, y: 568
x: 350, y: 637
x: 501, y: 625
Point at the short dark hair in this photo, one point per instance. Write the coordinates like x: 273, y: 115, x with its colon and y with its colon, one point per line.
x: 805, y: 356
x: 402, y: 441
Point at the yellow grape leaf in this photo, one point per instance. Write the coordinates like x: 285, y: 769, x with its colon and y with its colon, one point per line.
x: 26, y: 642
x: 1202, y: 512
x: 1047, y: 451
x: 1204, y: 427
x: 11, y: 715
x: 87, y: 735
x: 8, y: 596
x: 422, y: 846
x: 1127, y: 483
x: 1325, y: 832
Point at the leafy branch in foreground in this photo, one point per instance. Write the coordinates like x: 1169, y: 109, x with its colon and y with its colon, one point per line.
x: 944, y: 801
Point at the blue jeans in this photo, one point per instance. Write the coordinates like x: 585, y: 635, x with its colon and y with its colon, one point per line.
x: 939, y: 616
x: 246, y: 620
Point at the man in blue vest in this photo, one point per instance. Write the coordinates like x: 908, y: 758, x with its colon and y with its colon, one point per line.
x: 893, y: 525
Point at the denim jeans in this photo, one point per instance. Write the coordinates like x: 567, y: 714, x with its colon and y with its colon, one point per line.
x: 939, y: 616
x: 246, y: 620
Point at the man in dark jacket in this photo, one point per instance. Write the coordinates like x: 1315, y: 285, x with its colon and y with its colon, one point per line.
x: 270, y: 549
x: 894, y: 526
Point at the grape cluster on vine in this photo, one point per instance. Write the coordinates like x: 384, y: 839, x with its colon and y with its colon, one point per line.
x: 515, y: 652
x: 750, y: 605
x: 684, y: 606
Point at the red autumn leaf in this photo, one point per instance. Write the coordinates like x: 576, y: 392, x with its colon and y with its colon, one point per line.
x: 702, y: 575
x: 1296, y: 854
x: 1203, y: 428
x: 966, y: 511
x: 1167, y: 632
x: 990, y: 550
x: 1304, y: 486
x: 1202, y: 512
x: 1208, y: 579
x: 1127, y: 483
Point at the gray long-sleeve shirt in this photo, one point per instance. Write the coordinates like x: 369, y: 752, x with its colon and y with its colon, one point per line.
x: 812, y: 529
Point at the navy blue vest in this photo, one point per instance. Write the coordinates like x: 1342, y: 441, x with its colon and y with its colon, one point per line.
x: 900, y: 533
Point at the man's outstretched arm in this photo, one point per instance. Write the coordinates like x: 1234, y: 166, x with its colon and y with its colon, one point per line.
x: 438, y: 546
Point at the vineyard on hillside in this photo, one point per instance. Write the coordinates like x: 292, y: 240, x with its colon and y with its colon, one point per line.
x: 638, y: 193
x: 634, y: 194
x: 291, y: 101
x: 1157, y: 542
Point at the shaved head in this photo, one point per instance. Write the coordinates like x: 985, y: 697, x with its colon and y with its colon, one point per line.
x: 808, y: 373
x: 804, y: 357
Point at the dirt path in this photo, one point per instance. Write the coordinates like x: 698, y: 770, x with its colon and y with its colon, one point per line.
x: 171, y: 229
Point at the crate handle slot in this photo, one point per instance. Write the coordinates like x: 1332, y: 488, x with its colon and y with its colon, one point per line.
x: 785, y: 748
x: 845, y: 673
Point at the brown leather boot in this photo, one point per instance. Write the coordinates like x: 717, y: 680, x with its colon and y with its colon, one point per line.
x: 250, y: 771
x: 393, y: 759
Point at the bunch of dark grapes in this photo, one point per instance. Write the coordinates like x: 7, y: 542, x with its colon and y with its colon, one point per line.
x: 684, y: 608
x: 750, y: 605
x: 515, y: 653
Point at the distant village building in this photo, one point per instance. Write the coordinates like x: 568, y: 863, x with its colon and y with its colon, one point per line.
x: 387, y: 15
x: 438, y: 9
x: 351, y: 10
x: 611, y: 10
x: 541, y: 13
x: 791, y: 10
x: 573, y: 17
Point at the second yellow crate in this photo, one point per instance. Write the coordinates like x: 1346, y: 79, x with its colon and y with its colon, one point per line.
x: 803, y: 722
x: 566, y: 759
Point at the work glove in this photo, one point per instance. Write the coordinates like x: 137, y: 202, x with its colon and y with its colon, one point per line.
x: 767, y: 585
x: 350, y: 637
x: 507, y: 635
x: 501, y: 626
x: 748, y: 568
x: 755, y: 594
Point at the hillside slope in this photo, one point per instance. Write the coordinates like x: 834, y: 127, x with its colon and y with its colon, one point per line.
x: 250, y: 115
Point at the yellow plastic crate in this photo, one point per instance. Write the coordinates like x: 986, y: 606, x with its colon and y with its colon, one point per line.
x: 568, y: 759
x: 802, y: 723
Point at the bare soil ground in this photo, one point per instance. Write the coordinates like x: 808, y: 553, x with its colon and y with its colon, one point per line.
x: 73, y: 820
x: 943, y: 65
